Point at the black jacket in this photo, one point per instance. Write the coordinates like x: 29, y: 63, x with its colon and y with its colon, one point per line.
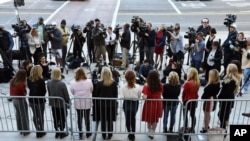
x: 171, y: 92
x: 211, y: 90
x: 37, y: 88
x: 126, y: 39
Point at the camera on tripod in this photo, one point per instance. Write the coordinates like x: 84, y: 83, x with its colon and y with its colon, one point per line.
x: 166, y: 32
x: 117, y: 31
x: 190, y: 35
x: 135, y: 23
x: 75, y: 28
x: 229, y: 20
x: 49, y: 28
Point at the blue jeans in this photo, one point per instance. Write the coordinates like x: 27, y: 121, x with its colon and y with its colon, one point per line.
x: 196, y: 64
x: 246, y: 83
x: 172, y: 110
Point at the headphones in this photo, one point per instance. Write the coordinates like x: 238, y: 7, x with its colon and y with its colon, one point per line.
x: 205, y: 20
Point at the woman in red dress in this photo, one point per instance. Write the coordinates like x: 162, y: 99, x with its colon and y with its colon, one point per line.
x: 159, y: 47
x: 152, y: 108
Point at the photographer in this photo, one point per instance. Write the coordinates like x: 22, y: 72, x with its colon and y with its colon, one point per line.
x: 239, y: 43
x: 110, y: 42
x: 198, y: 51
x: 176, y: 44
x: 22, y: 32
x: 204, y: 27
x: 99, y: 35
x: 228, y: 47
x: 55, y: 37
x: 65, y: 36
x: 78, y: 41
x: 149, y: 42
x: 245, y: 65
x: 6, y: 45
x: 90, y: 42
x: 125, y: 45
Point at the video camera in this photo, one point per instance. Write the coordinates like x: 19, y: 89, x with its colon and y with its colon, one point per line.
x: 229, y: 19
x: 166, y: 32
x: 117, y: 31
x: 49, y: 28
x: 191, y: 35
x: 19, y: 27
x: 135, y: 23
x: 241, y: 44
x: 75, y: 28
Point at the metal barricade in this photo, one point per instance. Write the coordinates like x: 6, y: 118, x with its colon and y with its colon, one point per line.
x: 225, y: 113
x: 35, y: 117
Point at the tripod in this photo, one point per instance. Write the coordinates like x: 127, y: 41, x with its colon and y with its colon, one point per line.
x: 74, y: 38
x: 134, y: 46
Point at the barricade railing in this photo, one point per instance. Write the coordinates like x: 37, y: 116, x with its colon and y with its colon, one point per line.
x: 26, y: 107
x: 119, y: 125
x: 99, y: 106
x: 220, y: 120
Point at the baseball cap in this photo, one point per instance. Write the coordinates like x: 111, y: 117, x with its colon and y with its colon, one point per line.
x: 233, y: 25
x: 53, y: 23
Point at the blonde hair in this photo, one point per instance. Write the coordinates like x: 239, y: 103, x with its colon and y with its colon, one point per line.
x: 192, y: 74
x: 106, y: 76
x: 56, y: 74
x: 36, y: 73
x: 80, y: 74
x: 34, y: 32
x: 232, y: 74
x: 173, y: 78
x: 214, y: 77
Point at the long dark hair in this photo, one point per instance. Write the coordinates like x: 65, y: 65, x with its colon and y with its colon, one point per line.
x: 19, y: 77
x: 153, y: 81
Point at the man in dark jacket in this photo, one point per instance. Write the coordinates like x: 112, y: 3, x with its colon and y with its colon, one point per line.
x: 99, y: 35
x: 55, y: 38
x: 79, y: 41
x: 6, y: 45
x: 90, y: 42
x: 125, y: 45
x: 228, y: 47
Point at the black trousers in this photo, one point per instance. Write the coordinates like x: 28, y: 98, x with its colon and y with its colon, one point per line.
x: 106, y: 125
x: 130, y: 108
x: 111, y: 52
x: 59, y: 118
x: 77, y: 51
x: 91, y: 51
x: 80, y: 114
x: 191, y: 107
x: 38, y: 115
x: 64, y: 52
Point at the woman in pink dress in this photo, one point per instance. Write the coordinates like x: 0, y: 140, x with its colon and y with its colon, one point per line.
x: 152, y: 108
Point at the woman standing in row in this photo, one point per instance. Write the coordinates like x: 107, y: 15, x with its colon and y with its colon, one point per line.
x: 18, y: 88
x: 82, y: 89
x: 152, y: 109
x: 210, y: 93
x: 37, y: 87
x: 132, y: 93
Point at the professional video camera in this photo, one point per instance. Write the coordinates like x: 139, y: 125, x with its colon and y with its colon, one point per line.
x: 18, y: 28
x: 166, y: 32
x: 75, y: 28
x: 135, y: 23
x: 229, y: 19
x: 191, y: 35
x: 117, y: 31
x: 241, y: 44
x: 49, y: 28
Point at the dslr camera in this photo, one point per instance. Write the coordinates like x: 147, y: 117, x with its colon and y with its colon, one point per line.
x: 166, y: 32
x: 229, y: 20
x: 241, y: 44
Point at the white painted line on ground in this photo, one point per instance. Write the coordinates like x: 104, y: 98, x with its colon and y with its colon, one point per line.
x: 4, y: 1
x: 57, y: 10
x: 174, y: 6
x: 115, y: 13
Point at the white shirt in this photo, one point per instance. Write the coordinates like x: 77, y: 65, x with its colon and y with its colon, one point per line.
x: 110, y: 39
x: 210, y: 57
x: 131, y: 93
